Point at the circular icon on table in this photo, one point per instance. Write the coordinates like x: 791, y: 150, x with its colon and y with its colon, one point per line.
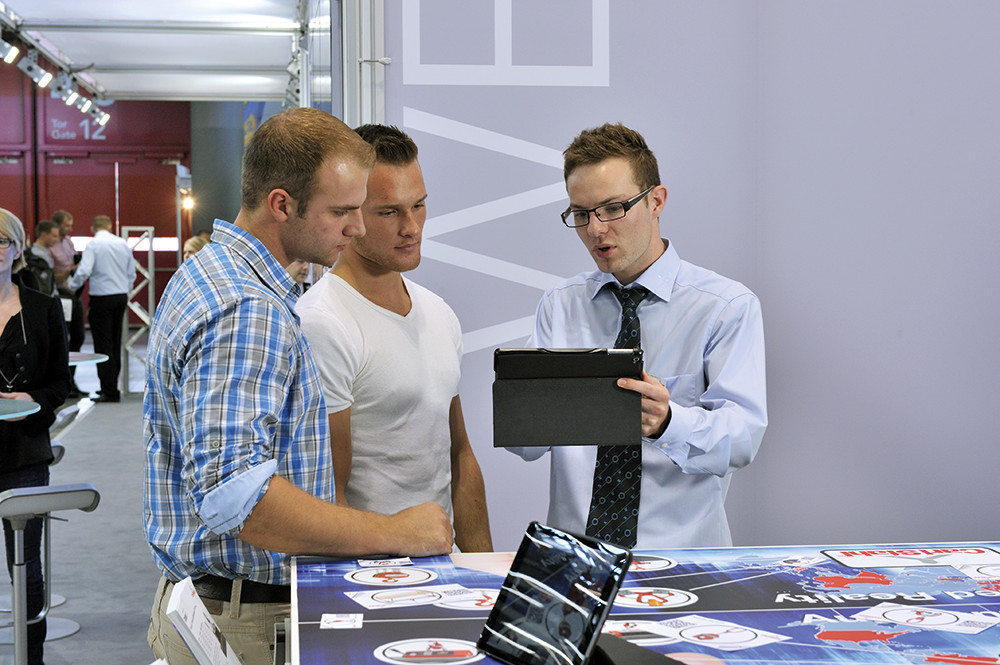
x: 404, y: 596
x: 720, y: 635
x: 989, y: 571
x: 642, y: 563
x: 429, y: 650
x: 915, y: 616
x: 484, y: 601
x: 390, y: 576
x: 654, y: 598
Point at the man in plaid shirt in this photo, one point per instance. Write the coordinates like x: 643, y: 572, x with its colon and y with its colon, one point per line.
x: 239, y: 466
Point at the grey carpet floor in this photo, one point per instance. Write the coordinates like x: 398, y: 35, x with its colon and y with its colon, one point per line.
x: 100, y: 560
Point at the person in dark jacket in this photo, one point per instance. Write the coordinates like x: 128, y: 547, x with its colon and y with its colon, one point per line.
x: 34, y: 367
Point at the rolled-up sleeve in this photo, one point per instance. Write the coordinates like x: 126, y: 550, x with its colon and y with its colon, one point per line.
x: 235, y: 383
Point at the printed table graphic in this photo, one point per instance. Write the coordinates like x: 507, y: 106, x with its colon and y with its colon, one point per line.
x: 891, y: 604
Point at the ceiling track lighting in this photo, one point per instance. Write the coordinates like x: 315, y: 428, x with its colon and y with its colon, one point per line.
x: 67, y: 82
x: 62, y: 85
x: 64, y: 88
x: 8, y: 52
x: 29, y: 65
x: 100, y: 116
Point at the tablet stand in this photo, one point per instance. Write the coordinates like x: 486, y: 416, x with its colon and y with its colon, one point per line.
x: 614, y: 650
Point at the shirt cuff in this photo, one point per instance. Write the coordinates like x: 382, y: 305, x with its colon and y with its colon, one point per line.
x: 674, y: 439
x: 227, y: 506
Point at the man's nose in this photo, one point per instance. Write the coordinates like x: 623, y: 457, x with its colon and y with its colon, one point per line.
x: 411, y: 225
x: 595, y: 227
x: 355, y: 226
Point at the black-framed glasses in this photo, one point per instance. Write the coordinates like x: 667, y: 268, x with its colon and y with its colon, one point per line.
x: 607, y: 212
x: 6, y: 242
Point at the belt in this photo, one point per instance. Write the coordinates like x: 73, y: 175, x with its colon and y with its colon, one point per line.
x: 221, y: 588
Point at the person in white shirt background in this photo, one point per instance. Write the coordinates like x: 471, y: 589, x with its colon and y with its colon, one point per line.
x: 108, y: 264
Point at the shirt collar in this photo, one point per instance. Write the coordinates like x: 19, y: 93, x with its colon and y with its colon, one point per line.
x: 659, y: 278
x: 272, y: 274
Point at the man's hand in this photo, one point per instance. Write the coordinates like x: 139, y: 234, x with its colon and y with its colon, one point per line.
x: 422, y: 530
x: 655, y: 403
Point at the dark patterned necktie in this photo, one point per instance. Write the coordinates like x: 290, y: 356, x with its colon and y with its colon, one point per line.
x: 614, y: 506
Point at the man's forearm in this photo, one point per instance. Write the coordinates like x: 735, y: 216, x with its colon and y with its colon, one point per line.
x: 289, y: 520
x: 472, y: 522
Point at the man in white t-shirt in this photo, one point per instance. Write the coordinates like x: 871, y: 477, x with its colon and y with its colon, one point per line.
x: 389, y: 355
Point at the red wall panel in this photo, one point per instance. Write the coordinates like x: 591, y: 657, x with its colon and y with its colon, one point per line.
x: 17, y: 193
x: 162, y: 129
x: 52, y: 156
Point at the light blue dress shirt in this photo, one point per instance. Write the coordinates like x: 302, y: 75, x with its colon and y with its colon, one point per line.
x: 107, y: 262
x: 232, y: 398
x: 703, y: 338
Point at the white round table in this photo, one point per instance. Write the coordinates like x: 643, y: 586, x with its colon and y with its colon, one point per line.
x: 82, y: 358
x: 16, y: 408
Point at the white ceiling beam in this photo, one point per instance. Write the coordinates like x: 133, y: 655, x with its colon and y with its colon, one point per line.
x: 57, y: 25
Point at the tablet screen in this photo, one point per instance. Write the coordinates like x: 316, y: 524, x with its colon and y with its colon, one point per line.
x: 554, y: 601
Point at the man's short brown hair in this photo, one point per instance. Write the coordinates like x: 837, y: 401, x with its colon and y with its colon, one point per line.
x: 392, y: 145
x: 288, y: 149
x: 608, y: 141
x: 45, y: 226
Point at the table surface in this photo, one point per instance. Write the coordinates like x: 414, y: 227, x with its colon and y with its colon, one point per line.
x: 82, y: 358
x: 16, y: 408
x: 923, y: 603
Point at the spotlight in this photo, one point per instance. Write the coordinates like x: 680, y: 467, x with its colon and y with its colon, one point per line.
x: 100, y: 116
x: 29, y: 65
x: 84, y: 104
x: 65, y: 89
x: 8, y: 52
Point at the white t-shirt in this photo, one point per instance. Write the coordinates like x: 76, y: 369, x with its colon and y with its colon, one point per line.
x: 398, y: 375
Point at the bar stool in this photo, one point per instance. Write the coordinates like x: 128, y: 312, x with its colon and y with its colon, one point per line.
x: 58, y: 628
x: 18, y: 506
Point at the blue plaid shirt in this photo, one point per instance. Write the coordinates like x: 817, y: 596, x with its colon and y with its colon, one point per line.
x: 232, y: 398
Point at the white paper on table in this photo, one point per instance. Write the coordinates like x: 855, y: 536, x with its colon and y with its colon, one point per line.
x: 340, y: 621
x: 928, y: 618
x: 381, y: 563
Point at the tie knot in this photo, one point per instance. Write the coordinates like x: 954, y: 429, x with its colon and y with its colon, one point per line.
x: 629, y: 298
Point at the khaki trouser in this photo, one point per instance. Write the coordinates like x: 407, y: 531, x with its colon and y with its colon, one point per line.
x: 247, y: 627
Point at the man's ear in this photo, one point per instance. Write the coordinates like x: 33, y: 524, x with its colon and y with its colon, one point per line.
x: 659, y: 198
x: 280, y: 204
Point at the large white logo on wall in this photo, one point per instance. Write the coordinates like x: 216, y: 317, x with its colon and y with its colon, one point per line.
x: 503, y: 72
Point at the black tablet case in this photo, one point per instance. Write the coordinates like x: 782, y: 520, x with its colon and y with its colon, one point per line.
x: 540, y: 578
x: 565, y: 397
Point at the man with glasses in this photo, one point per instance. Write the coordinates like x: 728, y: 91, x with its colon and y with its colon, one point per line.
x: 703, y: 389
